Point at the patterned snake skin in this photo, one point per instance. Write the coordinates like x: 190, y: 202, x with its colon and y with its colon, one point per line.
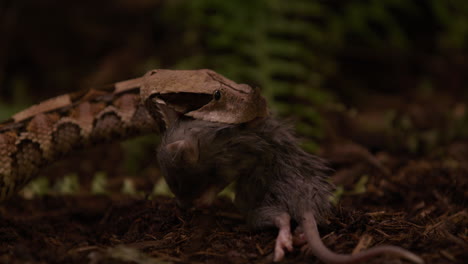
x: 42, y: 133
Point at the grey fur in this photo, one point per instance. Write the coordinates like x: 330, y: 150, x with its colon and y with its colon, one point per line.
x: 273, y: 173
x: 275, y: 178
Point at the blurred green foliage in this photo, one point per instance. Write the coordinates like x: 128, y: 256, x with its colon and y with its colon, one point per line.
x: 69, y: 184
x: 19, y: 101
x: 99, y: 183
x: 292, y: 49
x: 37, y: 187
x: 161, y: 188
x: 139, y: 152
x: 269, y: 44
x: 303, y: 54
x: 358, y: 189
x: 452, y: 18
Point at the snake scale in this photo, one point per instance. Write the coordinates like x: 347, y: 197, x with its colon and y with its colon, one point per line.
x: 43, y: 133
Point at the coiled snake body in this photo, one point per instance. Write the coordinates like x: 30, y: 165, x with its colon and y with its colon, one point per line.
x: 44, y: 132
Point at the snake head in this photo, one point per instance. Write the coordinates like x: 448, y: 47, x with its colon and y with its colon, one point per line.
x: 202, y: 94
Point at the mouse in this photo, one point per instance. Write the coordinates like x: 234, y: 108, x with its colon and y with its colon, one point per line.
x: 277, y: 182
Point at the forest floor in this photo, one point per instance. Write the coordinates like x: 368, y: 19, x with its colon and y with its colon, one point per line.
x: 405, y: 187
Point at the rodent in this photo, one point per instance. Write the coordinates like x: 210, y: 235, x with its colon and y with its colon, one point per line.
x: 277, y: 181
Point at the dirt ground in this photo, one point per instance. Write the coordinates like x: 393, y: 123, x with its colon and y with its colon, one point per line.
x: 410, y: 193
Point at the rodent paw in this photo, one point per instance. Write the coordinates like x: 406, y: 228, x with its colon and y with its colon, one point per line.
x: 283, y: 242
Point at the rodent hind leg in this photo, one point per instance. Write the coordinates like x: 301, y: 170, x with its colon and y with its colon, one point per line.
x: 284, y: 238
x: 299, y: 238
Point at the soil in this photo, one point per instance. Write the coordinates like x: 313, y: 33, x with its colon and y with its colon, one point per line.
x: 411, y: 195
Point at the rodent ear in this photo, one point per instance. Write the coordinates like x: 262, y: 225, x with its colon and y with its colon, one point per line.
x: 185, y: 150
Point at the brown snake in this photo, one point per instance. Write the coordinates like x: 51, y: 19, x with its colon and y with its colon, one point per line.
x: 43, y: 133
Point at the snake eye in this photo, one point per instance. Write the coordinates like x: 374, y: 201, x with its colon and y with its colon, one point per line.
x: 217, y: 95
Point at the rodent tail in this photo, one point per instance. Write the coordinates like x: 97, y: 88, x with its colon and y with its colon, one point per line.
x: 326, y: 255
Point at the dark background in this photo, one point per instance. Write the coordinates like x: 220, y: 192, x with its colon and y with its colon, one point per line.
x: 378, y: 87
x: 303, y: 54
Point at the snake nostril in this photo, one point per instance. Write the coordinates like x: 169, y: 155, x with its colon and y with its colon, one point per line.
x: 153, y: 72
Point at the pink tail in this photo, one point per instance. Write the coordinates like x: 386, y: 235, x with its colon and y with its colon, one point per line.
x: 324, y: 254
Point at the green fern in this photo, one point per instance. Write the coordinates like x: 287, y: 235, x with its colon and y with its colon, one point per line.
x: 290, y: 49
x: 269, y: 44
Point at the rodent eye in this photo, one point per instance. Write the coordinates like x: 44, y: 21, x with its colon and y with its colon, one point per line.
x: 217, y: 95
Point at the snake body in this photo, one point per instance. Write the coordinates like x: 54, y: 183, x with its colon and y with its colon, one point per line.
x: 44, y: 132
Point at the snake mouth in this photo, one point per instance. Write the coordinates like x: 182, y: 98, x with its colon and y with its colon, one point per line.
x: 185, y: 102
